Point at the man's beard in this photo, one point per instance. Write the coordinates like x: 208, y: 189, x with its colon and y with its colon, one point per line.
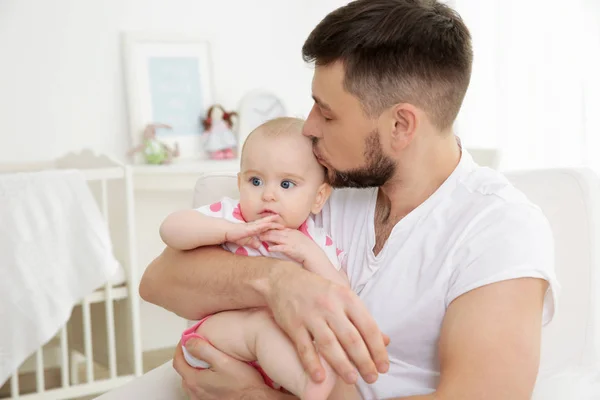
x: 378, y: 170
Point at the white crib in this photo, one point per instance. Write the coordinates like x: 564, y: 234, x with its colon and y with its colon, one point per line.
x: 100, y: 346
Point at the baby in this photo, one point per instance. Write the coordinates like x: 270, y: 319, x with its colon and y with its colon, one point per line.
x: 281, y: 186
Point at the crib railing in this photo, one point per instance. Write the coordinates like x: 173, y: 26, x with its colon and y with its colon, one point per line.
x: 90, y: 338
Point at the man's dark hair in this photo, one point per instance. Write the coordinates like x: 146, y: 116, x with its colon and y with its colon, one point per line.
x: 412, y: 51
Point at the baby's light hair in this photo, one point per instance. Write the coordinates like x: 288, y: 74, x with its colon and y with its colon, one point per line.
x: 276, y: 127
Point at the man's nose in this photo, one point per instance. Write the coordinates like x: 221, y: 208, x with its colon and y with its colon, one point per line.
x: 311, y: 128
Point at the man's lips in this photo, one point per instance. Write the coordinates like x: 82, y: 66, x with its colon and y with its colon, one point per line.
x: 318, y: 157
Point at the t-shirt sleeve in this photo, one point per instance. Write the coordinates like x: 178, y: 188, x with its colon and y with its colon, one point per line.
x: 225, y: 208
x: 511, y: 241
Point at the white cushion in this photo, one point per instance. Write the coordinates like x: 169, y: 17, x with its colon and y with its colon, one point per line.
x: 570, y: 199
x: 211, y: 187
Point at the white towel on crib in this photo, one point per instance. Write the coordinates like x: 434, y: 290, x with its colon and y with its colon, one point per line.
x: 54, y: 249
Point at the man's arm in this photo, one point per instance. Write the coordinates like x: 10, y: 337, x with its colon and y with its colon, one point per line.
x: 309, y: 308
x: 199, y: 282
x: 489, y: 345
x: 490, y: 342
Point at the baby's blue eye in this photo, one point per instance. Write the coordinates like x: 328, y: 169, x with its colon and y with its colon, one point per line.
x: 256, y: 181
x: 287, y: 184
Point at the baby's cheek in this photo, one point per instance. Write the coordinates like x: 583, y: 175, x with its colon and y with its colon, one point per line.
x: 246, y: 209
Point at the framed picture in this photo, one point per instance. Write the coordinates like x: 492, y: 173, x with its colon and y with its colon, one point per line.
x: 168, y: 79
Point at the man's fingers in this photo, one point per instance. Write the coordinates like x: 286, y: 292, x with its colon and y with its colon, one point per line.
x: 368, y: 329
x: 386, y: 339
x: 177, y: 359
x: 184, y: 370
x: 308, y: 355
x: 355, y: 347
x: 329, y: 347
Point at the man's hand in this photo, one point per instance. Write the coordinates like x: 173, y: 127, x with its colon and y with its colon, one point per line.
x: 227, y: 378
x: 307, y: 306
x: 246, y: 234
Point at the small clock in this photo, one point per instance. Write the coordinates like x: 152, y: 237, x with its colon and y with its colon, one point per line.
x: 255, y: 108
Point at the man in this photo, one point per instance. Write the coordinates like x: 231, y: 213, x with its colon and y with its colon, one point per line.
x: 444, y: 257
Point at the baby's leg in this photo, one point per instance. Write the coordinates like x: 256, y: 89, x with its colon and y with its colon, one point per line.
x: 226, y: 331
x: 251, y: 335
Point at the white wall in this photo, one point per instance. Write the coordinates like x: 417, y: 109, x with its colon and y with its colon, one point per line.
x: 61, y: 81
x: 62, y: 89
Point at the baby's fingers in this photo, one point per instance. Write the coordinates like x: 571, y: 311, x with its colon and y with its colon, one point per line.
x: 267, y: 219
x: 279, y: 248
x: 276, y: 226
x: 274, y: 236
x: 266, y: 226
x: 253, y: 242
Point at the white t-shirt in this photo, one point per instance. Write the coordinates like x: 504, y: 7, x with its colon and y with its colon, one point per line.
x: 476, y: 229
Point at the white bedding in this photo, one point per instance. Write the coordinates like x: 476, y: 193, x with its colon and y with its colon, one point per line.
x: 55, y: 248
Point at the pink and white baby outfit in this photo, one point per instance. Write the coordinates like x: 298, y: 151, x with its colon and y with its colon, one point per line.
x: 229, y: 209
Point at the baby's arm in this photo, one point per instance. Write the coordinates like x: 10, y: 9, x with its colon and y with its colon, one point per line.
x: 317, y: 261
x: 305, y: 251
x: 188, y: 229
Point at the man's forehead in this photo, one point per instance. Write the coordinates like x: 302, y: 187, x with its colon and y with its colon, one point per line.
x: 328, y: 80
x: 328, y: 89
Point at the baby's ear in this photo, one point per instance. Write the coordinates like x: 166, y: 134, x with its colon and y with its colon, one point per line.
x: 322, y: 195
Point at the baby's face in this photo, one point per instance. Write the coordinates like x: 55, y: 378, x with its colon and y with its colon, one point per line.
x: 279, y: 175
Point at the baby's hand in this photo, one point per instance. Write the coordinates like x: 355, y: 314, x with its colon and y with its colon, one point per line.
x: 292, y: 243
x: 246, y: 234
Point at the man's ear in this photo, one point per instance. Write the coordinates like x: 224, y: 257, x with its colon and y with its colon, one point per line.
x: 405, y: 119
x: 321, y: 198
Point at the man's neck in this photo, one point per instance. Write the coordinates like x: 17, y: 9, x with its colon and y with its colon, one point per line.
x: 421, y: 171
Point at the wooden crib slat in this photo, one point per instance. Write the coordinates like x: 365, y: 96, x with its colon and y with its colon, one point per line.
x: 39, y: 370
x: 87, y: 340
x: 14, y: 386
x: 110, y: 331
x: 63, y: 354
x: 108, y: 301
x: 132, y: 272
x: 64, y: 357
x: 104, y: 199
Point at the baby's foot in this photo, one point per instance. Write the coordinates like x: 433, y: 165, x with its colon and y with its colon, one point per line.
x: 319, y: 391
x: 193, y: 361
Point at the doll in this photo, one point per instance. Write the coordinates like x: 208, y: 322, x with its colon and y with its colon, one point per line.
x: 218, y: 126
x: 154, y: 151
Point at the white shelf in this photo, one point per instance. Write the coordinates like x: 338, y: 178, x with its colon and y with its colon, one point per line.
x: 181, y: 175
